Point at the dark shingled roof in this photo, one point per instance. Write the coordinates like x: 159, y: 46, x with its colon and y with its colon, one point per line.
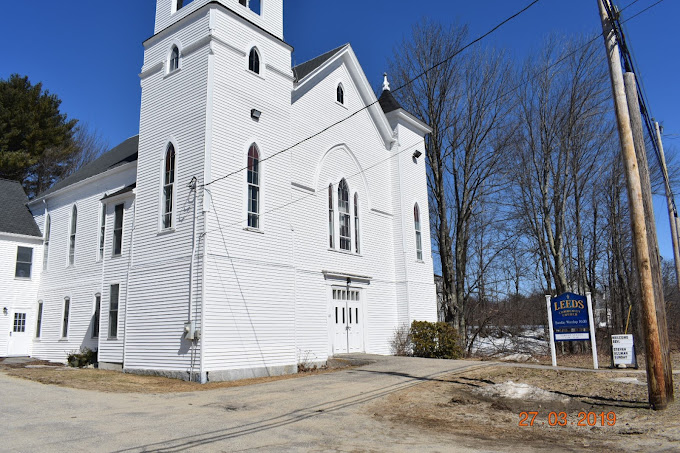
x: 388, y: 102
x: 15, y: 218
x: 303, y: 70
x: 127, y: 189
x: 121, y: 154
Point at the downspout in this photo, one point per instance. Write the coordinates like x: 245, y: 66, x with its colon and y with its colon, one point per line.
x: 192, y: 186
x: 404, y: 247
x: 127, y: 277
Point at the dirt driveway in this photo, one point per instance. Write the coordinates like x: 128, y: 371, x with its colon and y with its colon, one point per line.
x: 326, y: 412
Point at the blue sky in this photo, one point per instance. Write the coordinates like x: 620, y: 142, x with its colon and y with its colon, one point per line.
x: 90, y: 52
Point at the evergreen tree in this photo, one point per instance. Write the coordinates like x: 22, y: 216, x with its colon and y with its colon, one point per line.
x: 36, y: 139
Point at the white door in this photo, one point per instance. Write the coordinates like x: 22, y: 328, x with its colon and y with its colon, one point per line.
x: 19, y: 340
x: 347, y: 325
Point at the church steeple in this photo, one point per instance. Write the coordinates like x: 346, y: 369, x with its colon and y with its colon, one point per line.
x: 267, y: 14
x: 387, y: 100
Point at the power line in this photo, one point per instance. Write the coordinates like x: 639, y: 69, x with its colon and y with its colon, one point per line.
x: 456, y: 53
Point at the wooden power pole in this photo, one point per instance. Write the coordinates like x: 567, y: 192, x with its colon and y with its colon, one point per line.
x: 656, y: 385
x: 650, y: 224
x: 672, y: 212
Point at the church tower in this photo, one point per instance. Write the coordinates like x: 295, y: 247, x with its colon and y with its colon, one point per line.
x: 216, y: 96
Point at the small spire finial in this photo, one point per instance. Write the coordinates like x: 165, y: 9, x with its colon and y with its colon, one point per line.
x: 386, y: 84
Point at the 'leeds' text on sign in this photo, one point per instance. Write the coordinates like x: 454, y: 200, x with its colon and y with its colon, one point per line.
x: 569, y: 311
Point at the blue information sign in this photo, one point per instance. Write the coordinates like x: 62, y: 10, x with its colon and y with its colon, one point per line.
x: 569, y: 311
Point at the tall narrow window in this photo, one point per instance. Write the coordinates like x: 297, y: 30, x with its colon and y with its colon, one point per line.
x: 356, y: 223
x: 343, y: 211
x: 174, y: 59
x: 113, y: 311
x: 46, y: 244
x: 102, y: 231
x: 340, y: 94
x: 118, y: 230
x: 331, y: 217
x: 253, y: 187
x: 168, y: 187
x: 38, y: 325
x: 96, y: 315
x: 72, y: 237
x: 254, y: 61
x: 24, y: 262
x: 64, y: 321
x: 419, y: 239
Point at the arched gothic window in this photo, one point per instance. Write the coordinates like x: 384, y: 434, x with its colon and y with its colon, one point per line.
x: 331, y: 217
x: 72, y: 237
x: 254, y: 61
x: 253, y: 187
x: 168, y: 187
x: 340, y: 94
x: 419, y: 239
x: 174, y: 59
x: 356, y: 223
x: 343, y: 211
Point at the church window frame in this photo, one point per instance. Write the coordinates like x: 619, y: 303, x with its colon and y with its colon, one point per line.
x: 340, y: 94
x: 46, y: 241
x: 357, y: 227
x: 344, y: 217
x: 174, y: 59
x: 331, y: 217
x: 255, y: 60
x: 167, y: 188
x: 73, y: 228
x: 418, y: 230
x: 254, y: 187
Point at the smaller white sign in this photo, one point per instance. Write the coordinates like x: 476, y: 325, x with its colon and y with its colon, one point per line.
x: 572, y: 336
x: 622, y: 350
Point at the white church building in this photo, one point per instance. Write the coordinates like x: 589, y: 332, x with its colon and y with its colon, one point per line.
x: 230, y: 239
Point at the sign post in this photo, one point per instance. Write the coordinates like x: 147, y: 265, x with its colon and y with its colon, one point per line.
x: 571, y: 311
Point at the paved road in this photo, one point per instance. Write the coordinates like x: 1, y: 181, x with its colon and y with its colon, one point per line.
x: 316, y: 413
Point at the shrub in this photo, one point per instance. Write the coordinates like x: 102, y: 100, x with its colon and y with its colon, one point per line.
x: 401, y: 342
x: 81, y: 359
x: 435, y: 340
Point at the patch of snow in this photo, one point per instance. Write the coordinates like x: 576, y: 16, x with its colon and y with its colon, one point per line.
x: 518, y: 391
x: 629, y: 380
x: 518, y: 358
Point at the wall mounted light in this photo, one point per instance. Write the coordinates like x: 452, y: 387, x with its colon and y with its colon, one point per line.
x: 255, y: 114
x: 417, y: 154
x: 4, y: 311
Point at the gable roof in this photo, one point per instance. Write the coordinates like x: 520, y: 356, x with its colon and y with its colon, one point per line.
x: 304, y: 69
x: 16, y: 218
x: 120, y: 155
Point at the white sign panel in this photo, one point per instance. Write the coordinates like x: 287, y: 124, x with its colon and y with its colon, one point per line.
x: 622, y: 350
x: 575, y: 336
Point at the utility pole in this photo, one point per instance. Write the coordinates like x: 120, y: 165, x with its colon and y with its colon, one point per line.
x: 650, y: 224
x: 656, y: 386
x: 672, y: 213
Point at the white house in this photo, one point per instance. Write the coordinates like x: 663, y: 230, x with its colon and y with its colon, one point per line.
x: 230, y: 239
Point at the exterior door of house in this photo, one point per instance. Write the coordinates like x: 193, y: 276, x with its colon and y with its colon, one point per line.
x: 347, y: 322
x: 19, y: 341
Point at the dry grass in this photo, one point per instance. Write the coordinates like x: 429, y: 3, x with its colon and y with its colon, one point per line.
x: 117, y: 382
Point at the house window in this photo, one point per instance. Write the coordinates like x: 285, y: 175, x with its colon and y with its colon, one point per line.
x: 118, y: 230
x: 19, y: 322
x: 343, y: 210
x: 46, y: 245
x: 113, y: 311
x: 340, y: 94
x: 96, y: 315
x: 419, y: 239
x: 64, y: 321
x: 181, y: 4
x: 24, y: 262
x: 72, y: 237
x: 174, y: 59
x: 331, y: 217
x: 168, y: 187
x: 38, y: 326
x: 253, y: 5
x: 102, y: 230
x: 356, y: 223
x: 254, y: 61
x: 253, y: 187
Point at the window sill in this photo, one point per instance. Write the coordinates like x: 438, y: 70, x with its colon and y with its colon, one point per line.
x: 345, y: 252
x: 420, y: 262
x: 342, y: 105
x: 112, y: 339
x: 165, y: 231
x: 253, y: 230
x: 113, y: 257
x: 172, y: 73
x: 259, y: 76
x: 36, y: 340
x: 63, y: 340
x: 23, y: 279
